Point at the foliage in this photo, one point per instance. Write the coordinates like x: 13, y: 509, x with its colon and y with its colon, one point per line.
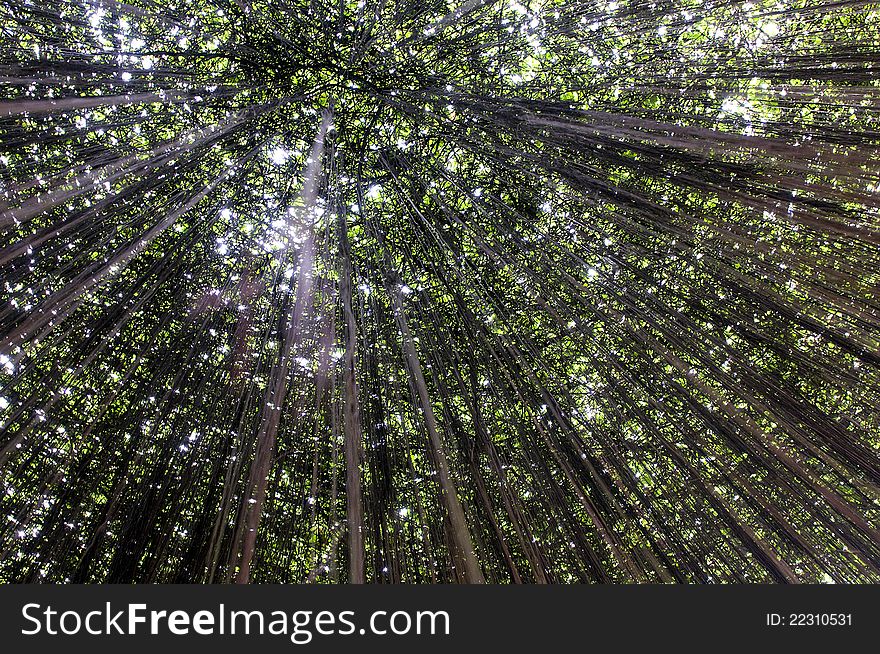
x: 541, y: 291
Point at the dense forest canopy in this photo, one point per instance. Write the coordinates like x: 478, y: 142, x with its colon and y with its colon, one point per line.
x: 391, y: 291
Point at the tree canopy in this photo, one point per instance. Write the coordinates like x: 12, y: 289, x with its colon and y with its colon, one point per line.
x: 509, y: 291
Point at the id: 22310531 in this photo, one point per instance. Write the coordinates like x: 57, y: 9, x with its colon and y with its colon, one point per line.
x: 809, y: 620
